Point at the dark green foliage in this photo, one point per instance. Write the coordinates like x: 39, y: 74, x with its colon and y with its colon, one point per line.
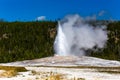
x: 25, y: 40
x: 30, y: 40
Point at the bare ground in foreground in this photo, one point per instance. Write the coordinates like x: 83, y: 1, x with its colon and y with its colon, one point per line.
x: 61, y: 68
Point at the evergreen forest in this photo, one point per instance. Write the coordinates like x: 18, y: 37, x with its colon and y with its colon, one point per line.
x: 31, y: 40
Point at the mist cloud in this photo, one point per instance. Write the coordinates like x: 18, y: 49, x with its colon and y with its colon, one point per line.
x: 101, y: 13
x: 75, y: 35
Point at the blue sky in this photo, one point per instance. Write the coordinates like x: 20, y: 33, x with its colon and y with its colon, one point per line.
x: 29, y: 10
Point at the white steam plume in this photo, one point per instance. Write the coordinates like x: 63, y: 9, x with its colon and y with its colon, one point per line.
x: 75, y: 35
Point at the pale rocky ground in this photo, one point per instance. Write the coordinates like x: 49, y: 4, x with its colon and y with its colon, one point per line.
x: 66, y: 68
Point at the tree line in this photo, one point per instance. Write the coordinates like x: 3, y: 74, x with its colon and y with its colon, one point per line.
x: 30, y: 40
x: 25, y: 40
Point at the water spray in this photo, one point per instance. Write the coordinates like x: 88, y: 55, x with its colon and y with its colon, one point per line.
x: 75, y: 35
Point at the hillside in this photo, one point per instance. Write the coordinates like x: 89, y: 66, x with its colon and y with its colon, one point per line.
x: 26, y: 40
x: 30, y: 40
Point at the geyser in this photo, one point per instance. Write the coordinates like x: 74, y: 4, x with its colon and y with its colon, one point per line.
x: 75, y: 35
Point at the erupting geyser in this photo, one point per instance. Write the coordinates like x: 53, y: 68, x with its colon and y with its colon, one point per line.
x: 75, y: 35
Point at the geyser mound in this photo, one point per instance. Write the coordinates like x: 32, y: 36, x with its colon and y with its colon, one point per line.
x: 75, y: 36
